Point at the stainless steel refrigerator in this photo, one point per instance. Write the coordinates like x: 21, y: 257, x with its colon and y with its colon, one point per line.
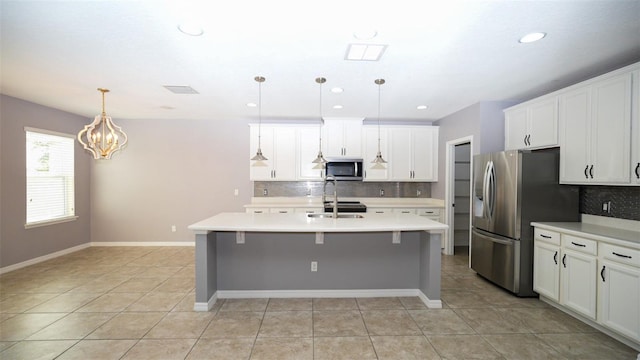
x: 510, y: 190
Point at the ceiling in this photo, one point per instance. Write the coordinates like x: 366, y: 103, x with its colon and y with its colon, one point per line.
x: 443, y: 54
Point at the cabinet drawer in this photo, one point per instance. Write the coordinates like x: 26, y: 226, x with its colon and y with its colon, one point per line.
x: 379, y: 210
x: 551, y: 237
x: 258, y: 210
x: 429, y: 212
x: 309, y: 210
x: 404, y: 211
x: 620, y: 254
x: 281, y: 210
x: 580, y: 244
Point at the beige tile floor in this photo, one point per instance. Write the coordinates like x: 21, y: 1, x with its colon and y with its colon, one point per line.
x: 136, y: 303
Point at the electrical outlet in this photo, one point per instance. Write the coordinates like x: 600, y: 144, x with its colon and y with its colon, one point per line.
x: 606, y: 207
x: 381, y: 192
x: 418, y: 192
x: 235, y: 192
x: 265, y: 192
x: 173, y: 228
x: 314, y: 266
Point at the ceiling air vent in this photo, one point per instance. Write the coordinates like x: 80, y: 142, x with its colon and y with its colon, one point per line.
x: 181, y: 89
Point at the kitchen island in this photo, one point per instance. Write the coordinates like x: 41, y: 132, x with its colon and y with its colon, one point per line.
x: 243, y: 255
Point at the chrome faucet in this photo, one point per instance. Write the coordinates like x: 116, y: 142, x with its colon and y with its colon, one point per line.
x: 335, y: 194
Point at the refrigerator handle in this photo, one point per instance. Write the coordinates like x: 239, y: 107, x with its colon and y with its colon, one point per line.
x: 492, y: 189
x: 485, y: 190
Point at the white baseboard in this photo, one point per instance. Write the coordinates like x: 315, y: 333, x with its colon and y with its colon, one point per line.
x: 144, y: 243
x: 42, y: 258
x: 201, y: 306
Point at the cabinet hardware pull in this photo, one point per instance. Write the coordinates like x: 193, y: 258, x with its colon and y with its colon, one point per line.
x: 585, y: 172
x: 525, y: 140
x: 591, y: 171
x: 545, y: 236
x: 555, y: 258
x: 580, y: 245
x: 602, y: 273
x: 638, y: 171
x: 258, y: 212
x: 621, y: 255
x: 406, y: 212
x: 564, y: 260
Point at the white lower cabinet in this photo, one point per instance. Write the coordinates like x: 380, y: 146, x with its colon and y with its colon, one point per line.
x: 592, y: 278
x: 578, y: 282
x: 619, y: 288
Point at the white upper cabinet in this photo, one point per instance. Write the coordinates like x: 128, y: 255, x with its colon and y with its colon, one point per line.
x: 342, y: 137
x: 413, y: 155
x: 532, y: 125
x: 595, y: 132
x: 308, y: 143
x: 635, y: 127
x: 370, y: 150
x: 278, y: 145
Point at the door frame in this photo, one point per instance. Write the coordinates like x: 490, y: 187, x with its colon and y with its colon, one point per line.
x: 449, y: 190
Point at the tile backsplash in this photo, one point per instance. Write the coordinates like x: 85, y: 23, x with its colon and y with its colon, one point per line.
x: 624, y: 201
x: 345, y: 189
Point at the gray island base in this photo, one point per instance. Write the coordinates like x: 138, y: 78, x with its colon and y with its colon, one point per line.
x: 242, y: 255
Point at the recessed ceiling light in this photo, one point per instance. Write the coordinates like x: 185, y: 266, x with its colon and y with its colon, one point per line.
x: 337, y: 107
x: 365, y: 52
x: 337, y: 90
x: 251, y: 104
x: 421, y: 107
x: 365, y: 34
x: 191, y: 29
x: 532, y: 37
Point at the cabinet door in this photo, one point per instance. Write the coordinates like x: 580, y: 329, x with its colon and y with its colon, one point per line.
x: 578, y: 279
x: 543, y: 123
x: 620, y: 298
x: 308, y: 138
x: 261, y: 170
x: 370, y: 150
x: 546, y: 270
x: 400, y: 155
x: 611, y: 129
x: 352, y: 138
x: 575, y: 135
x: 635, y: 126
x: 515, y: 126
x: 285, y: 153
x: 333, y: 138
x: 425, y: 154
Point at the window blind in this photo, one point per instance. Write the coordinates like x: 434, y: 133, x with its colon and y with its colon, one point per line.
x: 50, y: 176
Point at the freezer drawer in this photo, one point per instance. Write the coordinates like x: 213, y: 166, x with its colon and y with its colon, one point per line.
x: 496, y: 259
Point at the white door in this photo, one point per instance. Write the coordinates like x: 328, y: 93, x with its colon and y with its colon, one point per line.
x: 425, y: 154
x: 370, y: 147
x: 620, y: 298
x: 575, y: 144
x: 308, y: 138
x: 352, y: 138
x: 515, y: 128
x: 546, y: 270
x: 611, y: 128
x: 401, y: 155
x: 261, y: 170
x: 578, y: 280
x: 285, y: 153
x: 543, y: 123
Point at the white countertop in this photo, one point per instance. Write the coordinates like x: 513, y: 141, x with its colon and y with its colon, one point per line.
x: 316, y: 201
x: 301, y: 223
x: 593, y: 231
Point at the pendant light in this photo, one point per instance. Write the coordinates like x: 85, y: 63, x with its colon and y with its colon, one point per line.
x: 259, y: 156
x: 379, y: 161
x: 320, y: 160
x: 102, y: 137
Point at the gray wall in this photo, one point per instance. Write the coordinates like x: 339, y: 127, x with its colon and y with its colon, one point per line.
x: 18, y: 244
x: 172, y: 172
x: 484, y: 121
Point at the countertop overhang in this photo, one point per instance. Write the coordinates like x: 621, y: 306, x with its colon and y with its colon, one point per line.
x: 301, y: 223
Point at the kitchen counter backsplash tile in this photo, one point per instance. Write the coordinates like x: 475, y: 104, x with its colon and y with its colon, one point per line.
x: 357, y: 189
x: 625, y: 201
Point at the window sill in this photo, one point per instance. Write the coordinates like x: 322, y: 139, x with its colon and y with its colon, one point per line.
x: 50, y: 222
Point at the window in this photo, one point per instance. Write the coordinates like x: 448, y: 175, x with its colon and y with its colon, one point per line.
x: 50, y: 175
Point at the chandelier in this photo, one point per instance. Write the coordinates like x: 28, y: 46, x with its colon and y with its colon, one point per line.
x: 102, y: 137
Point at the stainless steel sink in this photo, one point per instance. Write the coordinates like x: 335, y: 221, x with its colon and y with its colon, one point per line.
x: 340, y: 216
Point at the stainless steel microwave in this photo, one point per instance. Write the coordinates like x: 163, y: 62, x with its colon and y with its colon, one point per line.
x: 344, y: 169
